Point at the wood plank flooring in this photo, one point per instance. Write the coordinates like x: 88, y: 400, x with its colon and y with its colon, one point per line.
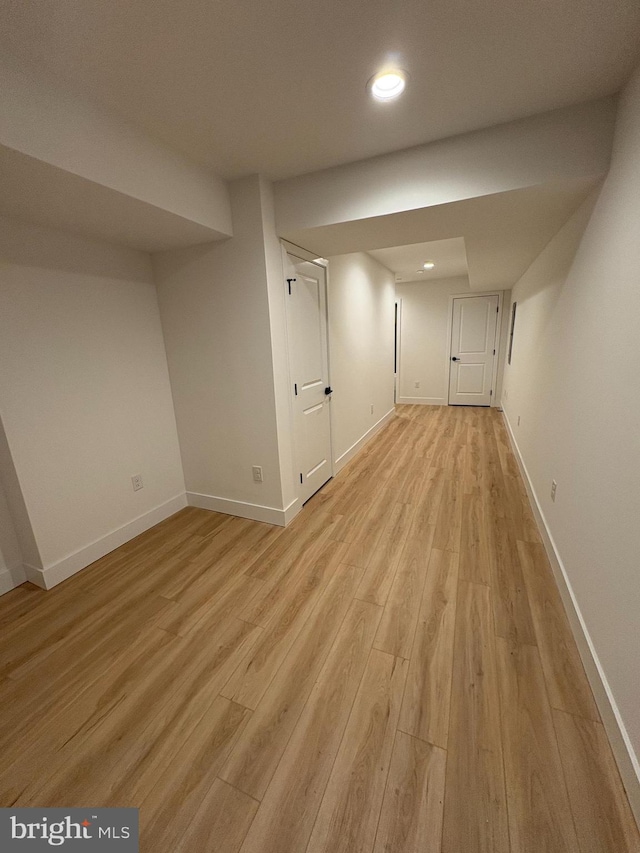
x: 393, y: 673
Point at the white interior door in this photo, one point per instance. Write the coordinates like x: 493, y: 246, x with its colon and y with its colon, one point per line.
x: 309, y: 364
x: 473, y: 350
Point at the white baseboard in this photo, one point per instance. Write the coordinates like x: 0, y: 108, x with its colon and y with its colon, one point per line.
x: 50, y: 576
x: 35, y: 574
x: 256, y: 512
x: 11, y: 578
x: 422, y: 401
x: 348, y: 455
x: 292, y: 510
x: 621, y: 745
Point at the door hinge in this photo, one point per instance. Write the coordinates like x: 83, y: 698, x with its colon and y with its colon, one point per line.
x: 295, y: 388
x: 494, y: 352
x: 289, y: 280
x: 491, y: 393
x: 301, y: 478
x: 497, y: 309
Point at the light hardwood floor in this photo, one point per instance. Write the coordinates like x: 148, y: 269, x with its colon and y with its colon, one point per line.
x: 393, y: 673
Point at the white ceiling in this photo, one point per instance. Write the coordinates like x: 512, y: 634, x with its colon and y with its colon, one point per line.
x: 279, y: 87
x: 449, y: 257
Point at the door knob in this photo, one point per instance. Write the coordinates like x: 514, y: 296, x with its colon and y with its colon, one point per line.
x: 454, y: 358
x: 328, y: 390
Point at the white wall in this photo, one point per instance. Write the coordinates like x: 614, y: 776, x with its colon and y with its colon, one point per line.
x: 215, y: 309
x: 424, y: 339
x: 574, y: 382
x: 10, y: 553
x: 85, y: 399
x: 573, y: 142
x: 11, y: 560
x: 279, y: 348
x: 361, y: 316
x: 18, y: 524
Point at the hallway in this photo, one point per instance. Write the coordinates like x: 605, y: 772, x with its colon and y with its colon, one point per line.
x: 392, y: 673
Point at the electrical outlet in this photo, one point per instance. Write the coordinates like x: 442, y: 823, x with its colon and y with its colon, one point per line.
x: 416, y: 384
x: 372, y: 408
x: 257, y: 473
x: 136, y: 482
x: 554, y: 486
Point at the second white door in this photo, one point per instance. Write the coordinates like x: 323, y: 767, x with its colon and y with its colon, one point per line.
x: 309, y: 363
x: 473, y: 350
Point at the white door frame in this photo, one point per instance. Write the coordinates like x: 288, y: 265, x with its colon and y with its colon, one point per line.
x: 304, y: 256
x: 496, y: 358
x: 396, y: 389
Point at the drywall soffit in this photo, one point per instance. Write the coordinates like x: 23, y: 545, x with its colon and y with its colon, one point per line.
x: 503, y: 232
x: 43, y: 194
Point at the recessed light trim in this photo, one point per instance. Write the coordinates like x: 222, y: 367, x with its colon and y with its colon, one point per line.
x: 387, y: 85
x: 429, y: 265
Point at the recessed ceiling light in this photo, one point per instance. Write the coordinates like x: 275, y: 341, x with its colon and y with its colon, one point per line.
x: 387, y: 85
x: 429, y: 265
x: 420, y: 272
